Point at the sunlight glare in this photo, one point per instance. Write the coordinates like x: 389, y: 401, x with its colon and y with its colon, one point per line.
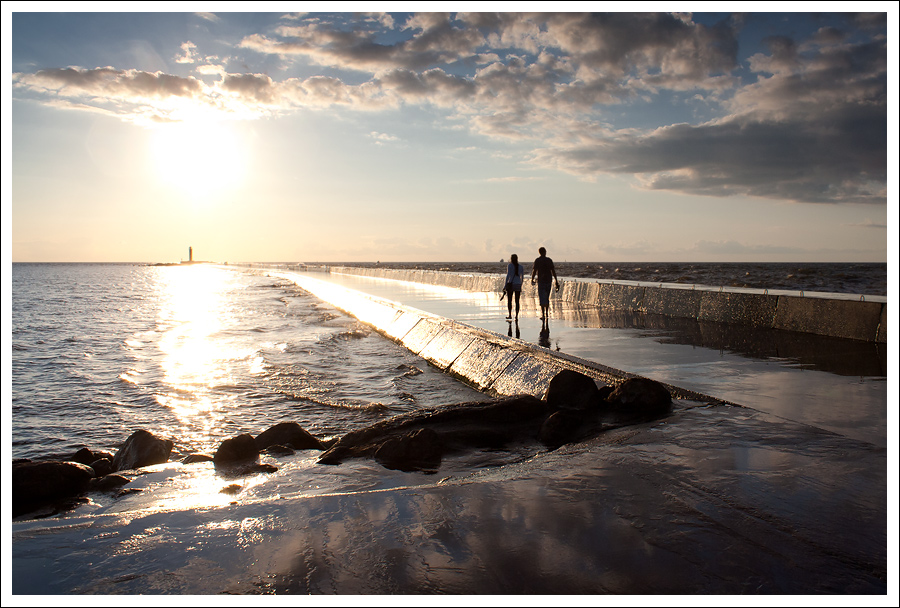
x: 200, y: 158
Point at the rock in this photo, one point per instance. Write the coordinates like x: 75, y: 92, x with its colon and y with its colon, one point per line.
x: 289, y: 434
x: 560, y: 428
x: 87, y: 456
x: 279, y: 450
x: 459, y: 427
x: 572, y: 390
x: 641, y: 397
x: 418, y: 450
x: 192, y: 458
x: 237, y: 449
x: 103, y: 466
x: 142, y: 449
x: 108, y: 483
x: 83, y: 456
x: 34, y: 483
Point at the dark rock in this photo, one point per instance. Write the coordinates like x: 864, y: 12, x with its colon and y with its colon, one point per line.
x: 290, y: 434
x: 192, y: 458
x: 418, y: 450
x: 231, y: 489
x: 572, y: 390
x: 560, y: 428
x: 279, y: 450
x: 460, y: 426
x: 127, y: 491
x: 108, y: 483
x: 103, y: 466
x: 641, y: 398
x: 242, y: 469
x: 87, y: 456
x: 83, y: 456
x: 34, y: 483
x: 604, y: 392
x: 237, y: 449
x: 142, y: 449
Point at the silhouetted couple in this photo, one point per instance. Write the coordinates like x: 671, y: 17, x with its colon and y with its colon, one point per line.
x: 546, y: 274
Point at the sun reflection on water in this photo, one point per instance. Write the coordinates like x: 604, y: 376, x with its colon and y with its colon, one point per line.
x: 195, y: 311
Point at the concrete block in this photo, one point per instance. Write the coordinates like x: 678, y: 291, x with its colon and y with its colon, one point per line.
x: 482, y: 362
x: 421, y: 334
x: 620, y: 297
x: 446, y: 346
x: 852, y: 319
x: 672, y: 302
x: 754, y: 310
x: 401, y: 326
x: 528, y: 375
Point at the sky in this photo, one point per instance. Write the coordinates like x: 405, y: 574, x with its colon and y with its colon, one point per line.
x: 449, y: 136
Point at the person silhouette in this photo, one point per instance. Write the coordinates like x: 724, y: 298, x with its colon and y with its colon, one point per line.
x: 546, y: 274
x: 514, y: 275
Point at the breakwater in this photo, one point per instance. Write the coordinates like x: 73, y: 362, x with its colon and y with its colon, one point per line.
x: 854, y: 317
x: 490, y: 362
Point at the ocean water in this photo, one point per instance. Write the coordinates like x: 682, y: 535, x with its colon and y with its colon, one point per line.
x: 197, y: 354
x: 856, y: 278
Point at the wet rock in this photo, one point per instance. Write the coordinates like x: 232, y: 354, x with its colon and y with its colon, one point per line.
x: 107, y: 483
x: 142, y: 449
x: 459, y: 427
x: 103, y: 466
x: 640, y: 398
x: 87, y: 456
x: 418, y: 450
x: 35, y: 483
x: 279, y: 450
x: 289, y: 434
x: 127, y: 492
x: 572, y: 390
x: 560, y: 428
x: 192, y: 458
x: 237, y: 449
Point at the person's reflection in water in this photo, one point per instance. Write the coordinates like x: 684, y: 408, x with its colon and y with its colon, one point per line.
x: 510, y: 331
x: 544, y: 339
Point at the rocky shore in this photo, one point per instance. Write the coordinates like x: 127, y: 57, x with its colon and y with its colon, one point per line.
x: 573, y: 408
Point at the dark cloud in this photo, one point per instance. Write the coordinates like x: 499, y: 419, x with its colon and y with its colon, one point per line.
x: 812, y: 131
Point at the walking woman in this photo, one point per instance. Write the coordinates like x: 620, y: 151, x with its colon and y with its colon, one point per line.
x: 514, y: 274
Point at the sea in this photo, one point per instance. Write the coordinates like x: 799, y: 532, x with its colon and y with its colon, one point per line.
x: 100, y: 350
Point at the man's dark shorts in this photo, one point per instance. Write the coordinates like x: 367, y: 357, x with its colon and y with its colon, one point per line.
x: 544, y: 290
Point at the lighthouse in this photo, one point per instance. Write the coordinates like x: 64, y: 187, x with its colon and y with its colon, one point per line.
x: 190, y: 254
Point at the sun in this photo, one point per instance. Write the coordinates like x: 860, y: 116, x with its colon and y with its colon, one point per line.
x: 200, y: 158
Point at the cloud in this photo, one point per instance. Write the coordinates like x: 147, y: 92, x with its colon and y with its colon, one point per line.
x: 811, y: 129
x: 809, y: 124
x: 189, y: 53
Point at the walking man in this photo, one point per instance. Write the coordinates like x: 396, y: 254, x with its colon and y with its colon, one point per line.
x: 546, y: 275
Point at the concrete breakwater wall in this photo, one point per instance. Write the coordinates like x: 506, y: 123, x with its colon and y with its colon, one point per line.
x: 834, y: 315
x: 486, y: 360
